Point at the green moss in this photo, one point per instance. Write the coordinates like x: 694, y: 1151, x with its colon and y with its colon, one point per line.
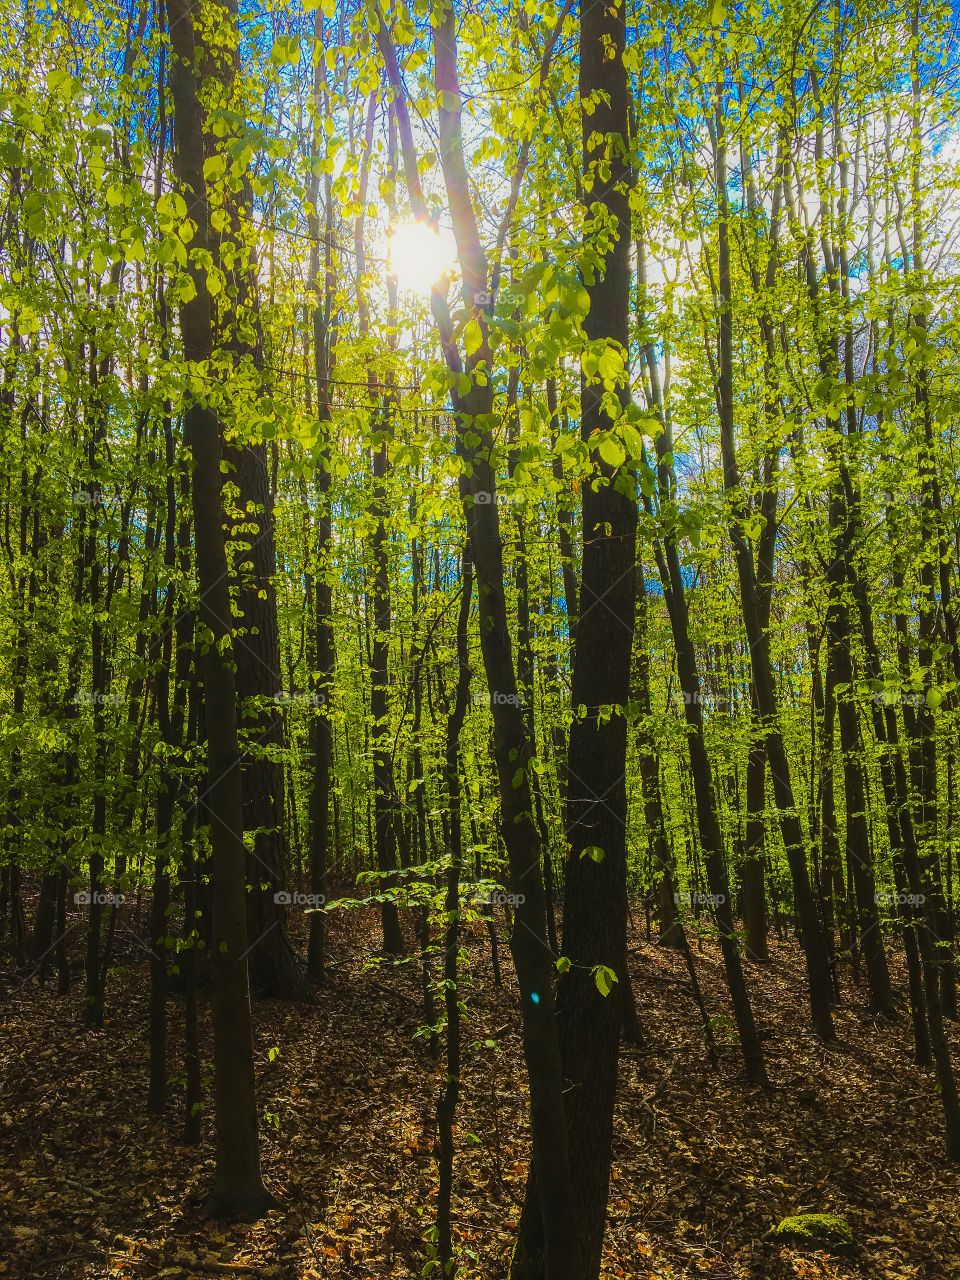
x: 821, y: 1230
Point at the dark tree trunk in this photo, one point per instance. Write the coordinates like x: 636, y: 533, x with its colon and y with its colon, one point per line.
x: 178, y: 623
x: 841, y: 676
x: 190, y: 962
x: 831, y: 875
x: 324, y: 658
x: 384, y: 787
x: 671, y: 932
x: 274, y: 967
x: 449, y: 1095
x: 753, y: 893
x: 238, y: 1190
x: 589, y: 1013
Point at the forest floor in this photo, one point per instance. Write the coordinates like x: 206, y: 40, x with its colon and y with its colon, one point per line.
x: 92, y: 1187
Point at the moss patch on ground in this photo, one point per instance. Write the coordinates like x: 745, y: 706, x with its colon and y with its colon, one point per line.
x: 818, y: 1230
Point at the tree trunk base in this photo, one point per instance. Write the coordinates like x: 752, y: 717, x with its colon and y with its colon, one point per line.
x: 248, y: 1206
x: 276, y: 973
x: 528, y: 1260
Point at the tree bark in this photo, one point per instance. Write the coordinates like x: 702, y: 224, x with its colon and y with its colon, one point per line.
x: 238, y: 1190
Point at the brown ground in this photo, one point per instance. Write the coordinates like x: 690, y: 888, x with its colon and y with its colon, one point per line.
x: 91, y: 1187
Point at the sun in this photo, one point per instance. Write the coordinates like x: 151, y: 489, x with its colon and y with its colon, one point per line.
x: 419, y: 255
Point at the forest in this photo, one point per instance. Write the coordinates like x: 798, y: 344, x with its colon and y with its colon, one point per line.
x: 479, y: 639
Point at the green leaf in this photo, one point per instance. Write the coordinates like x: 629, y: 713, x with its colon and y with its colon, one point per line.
x: 612, y: 451
x: 214, y: 167
x: 170, y: 205
x: 610, y: 365
x: 605, y: 978
x: 632, y: 439
x: 472, y: 337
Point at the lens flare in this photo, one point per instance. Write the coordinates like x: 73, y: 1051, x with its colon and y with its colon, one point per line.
x: 419, y: 255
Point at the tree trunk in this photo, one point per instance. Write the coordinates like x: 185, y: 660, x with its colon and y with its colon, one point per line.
x: 238, y: 1190
x: 449, y: 1095
x: 811, y: 936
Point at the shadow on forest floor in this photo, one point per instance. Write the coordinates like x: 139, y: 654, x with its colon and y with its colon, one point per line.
x: 91, y: 1187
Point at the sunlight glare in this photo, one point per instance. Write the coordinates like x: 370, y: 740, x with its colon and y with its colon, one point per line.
x: 419, y: 255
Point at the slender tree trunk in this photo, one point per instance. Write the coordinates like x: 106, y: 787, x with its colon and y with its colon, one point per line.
x: 512, y: 747
x: 449, y: 1095
x: 671, y: 577
x: 753, y: 894
x: 840, y: 670
x: 238, y: 1190
x: 589, y: 1013
x: 178, y: 623
x: 324, y: 658
x: 811, y: 936
x: 671, y: 929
